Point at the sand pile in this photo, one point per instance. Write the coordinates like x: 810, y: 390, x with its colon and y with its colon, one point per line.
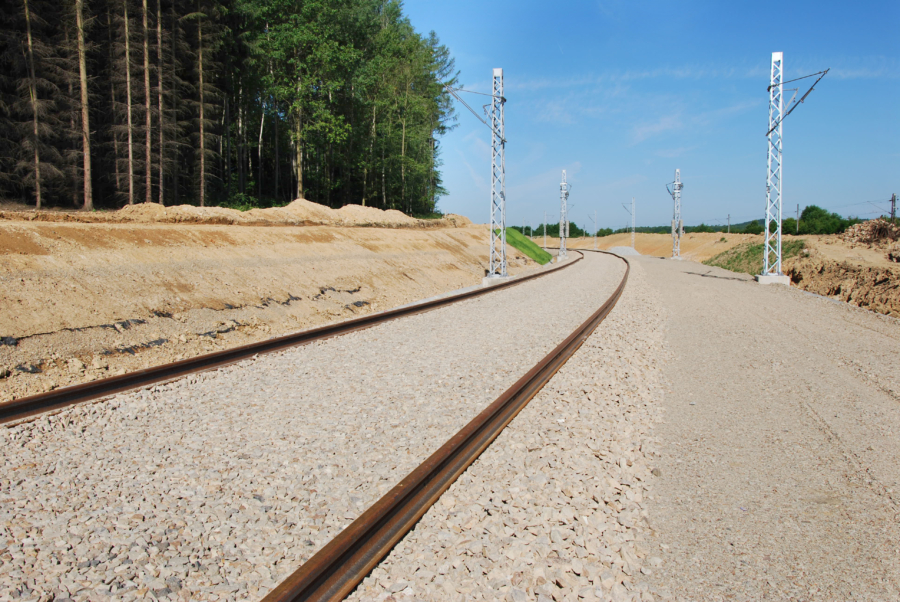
x: 299, y: 213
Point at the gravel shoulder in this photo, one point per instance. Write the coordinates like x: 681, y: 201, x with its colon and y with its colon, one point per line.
x: 780, y: 453
x: 218, y: 486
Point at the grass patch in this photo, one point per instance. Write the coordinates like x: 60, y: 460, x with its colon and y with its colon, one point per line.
x: 517, y: 240
x: 748, y: 257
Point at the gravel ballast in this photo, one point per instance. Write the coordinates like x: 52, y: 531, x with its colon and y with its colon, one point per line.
x: 555, y: 509
x: 219, y: 485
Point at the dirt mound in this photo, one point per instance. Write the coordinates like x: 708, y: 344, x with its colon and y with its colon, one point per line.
x: 359, y: 215
x: 872, y: 232
x: 874, y: 288
x: 299, y: 213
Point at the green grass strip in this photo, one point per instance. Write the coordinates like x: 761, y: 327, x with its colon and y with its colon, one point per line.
x: 748, y: 257
x: 515, y: 239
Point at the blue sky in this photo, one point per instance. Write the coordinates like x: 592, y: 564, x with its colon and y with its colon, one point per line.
x: 621, y: 93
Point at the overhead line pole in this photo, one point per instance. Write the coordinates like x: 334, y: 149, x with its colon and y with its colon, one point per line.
x: 545, y: 229
x: 772, y: 272
x: 632, y: 222
x: 677, y: 222
x: 772, y: 232
x: 563, y: 216
x: 497, y: 267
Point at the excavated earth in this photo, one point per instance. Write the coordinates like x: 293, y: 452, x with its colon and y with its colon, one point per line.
x: 82, y: 301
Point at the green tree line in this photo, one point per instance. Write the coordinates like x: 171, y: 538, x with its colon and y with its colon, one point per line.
x: 228, y: 102
x: 813, y: 220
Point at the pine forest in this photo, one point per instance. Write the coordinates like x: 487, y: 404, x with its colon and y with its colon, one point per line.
x: 242, y: 103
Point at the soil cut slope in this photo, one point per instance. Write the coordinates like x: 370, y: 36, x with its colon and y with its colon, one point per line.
x: 81, y: 301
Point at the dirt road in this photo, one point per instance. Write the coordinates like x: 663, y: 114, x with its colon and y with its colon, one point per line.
x: 780, y: 469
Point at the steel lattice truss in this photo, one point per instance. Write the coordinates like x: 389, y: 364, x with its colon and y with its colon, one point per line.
x: 563, y: 215
x: 772, y: 259
x: 677, y: 223
x: 498, y: 180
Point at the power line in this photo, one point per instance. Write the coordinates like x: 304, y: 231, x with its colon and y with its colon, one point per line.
x: 453, y: 91
x: 802, y: 98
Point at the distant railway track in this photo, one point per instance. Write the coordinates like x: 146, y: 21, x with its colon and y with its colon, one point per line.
x: 336, y: 569
x: 34, y: 405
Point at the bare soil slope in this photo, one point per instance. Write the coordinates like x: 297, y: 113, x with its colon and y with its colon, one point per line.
x: 696, y: 247
x: 81, y: 301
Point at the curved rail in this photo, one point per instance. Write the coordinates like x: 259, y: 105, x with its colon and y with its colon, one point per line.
x: 98, y: 389
x: 335, y: 570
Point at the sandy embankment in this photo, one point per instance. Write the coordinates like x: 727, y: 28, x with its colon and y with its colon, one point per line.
x: 85, y: 300
x: 695, y: 247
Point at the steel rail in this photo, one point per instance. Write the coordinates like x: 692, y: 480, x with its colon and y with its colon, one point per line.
x: 335, y: 570
x: 33, y: 405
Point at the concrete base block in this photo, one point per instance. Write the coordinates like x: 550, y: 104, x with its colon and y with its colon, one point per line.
x: 492, y: 280
x: 763, y: 279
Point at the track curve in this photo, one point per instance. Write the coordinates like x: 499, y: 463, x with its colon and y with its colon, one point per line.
x: 334, y: 571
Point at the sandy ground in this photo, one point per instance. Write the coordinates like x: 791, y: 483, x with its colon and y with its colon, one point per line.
x: 697, y: 247
x: 780, y: 466
x: 83, y: 301
x: 856, y: 273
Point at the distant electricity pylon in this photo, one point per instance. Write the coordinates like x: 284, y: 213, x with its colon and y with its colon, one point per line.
x: 631, y: 211
x: 677, y: 223
x: 545, y: 229
x: 774, y: 171
x: 563, y: 215
x: 594, y: 221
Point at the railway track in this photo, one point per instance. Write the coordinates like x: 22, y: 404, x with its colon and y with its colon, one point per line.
x: 333, y: 572
x: 34, y: 405
x: 345, y: 560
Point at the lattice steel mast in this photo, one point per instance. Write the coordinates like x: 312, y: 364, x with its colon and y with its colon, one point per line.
x: 563, y: 216
x: 498, y: 180
x: 772, y: 249
x: 677, y: 223
x: 632, y: 222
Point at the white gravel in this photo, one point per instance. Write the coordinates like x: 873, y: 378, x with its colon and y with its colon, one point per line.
x: 555, y: 509
x: 624, y: 251
x: 218, y: 486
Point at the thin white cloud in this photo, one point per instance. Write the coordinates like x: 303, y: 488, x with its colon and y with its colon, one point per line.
x: 665, y: 123
x: 673, y: 153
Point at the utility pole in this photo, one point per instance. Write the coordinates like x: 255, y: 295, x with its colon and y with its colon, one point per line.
x: 498, y: 180
x: 545, y: 229
x: 772, y: 249
x: 774, y: 169
x: 798, y: 219
x: 631, y: 211
x: 677, y: 223
x: 632, y: 222
x: 893, y: 207
x: 594, y: 221
x: 563, y: 216
x: 729, y: 223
